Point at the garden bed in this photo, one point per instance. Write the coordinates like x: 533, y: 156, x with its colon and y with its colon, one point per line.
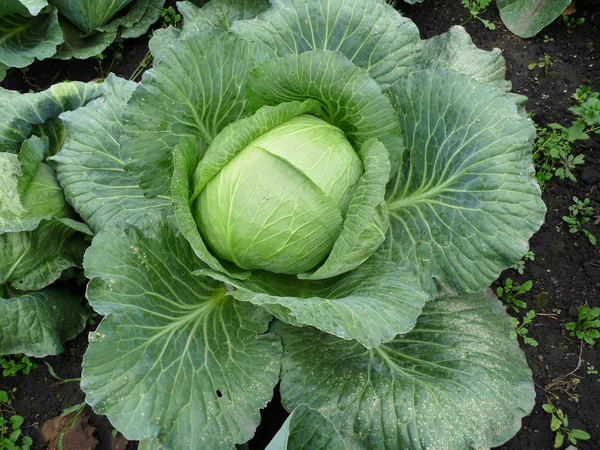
x: 565, y: 273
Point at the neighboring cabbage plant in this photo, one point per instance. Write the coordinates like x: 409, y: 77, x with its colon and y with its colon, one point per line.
x: 64, y: 29
x: 40, y: 242
x: 305, y: 193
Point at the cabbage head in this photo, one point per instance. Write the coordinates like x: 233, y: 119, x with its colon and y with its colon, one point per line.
x: 305, y: 193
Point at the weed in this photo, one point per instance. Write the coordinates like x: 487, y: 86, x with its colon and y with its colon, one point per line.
x: 519, y: 266
x: 476, y: 7
x: 170, y: 16
x: 548, y: 39
x: 520, y: 330
x: 591, y: 370
x: 144, y: 63
x: 12, y: 365
x: 559, y: 425
x: 116, y: 52
x: 545, y: 62
x: 587, y: 325
x: 579, y: 213
x: 510, y: 292
x: 572, y: 23
x: 552, y: 150
x: 11, y: 436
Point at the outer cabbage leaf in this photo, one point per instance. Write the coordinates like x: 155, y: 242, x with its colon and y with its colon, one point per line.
x: 526, y: 18
x: 465, y: 201
x: 175, y: 357
x: 219, y: 13
x: 455, y: 50
x: 214, y: 14
x: 90, y: 15
x: 213, y: 66
x: 130, y: 29
x: 37, y: 241
x: 26, y: 37
x: 307, y: 429
x: 22, y: 115
x: 90, y: 26
x: 456, y: 381
x: 31, y: 7
x: 370, y: 33
x: 37, y: 323
x: 89, y: 167
x: 371, y: 304
x: 78, y: 45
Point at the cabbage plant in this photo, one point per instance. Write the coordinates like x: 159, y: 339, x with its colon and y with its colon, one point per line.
x: 40, y: 242
x: 68, y: 28
x: 305, y: 193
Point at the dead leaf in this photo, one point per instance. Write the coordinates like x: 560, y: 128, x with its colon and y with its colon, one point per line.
x: 78, y: 436
x: 569, y: 10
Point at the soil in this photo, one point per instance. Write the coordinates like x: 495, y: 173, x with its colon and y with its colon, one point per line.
x: 565, y: 273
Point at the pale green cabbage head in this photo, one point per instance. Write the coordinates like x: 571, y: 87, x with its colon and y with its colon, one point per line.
x: 279, y: 204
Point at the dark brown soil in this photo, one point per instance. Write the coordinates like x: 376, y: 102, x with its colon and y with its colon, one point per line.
x: 566, y: 270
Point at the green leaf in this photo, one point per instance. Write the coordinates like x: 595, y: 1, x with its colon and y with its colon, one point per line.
x: 16, y: 421
x: 25, y: 38
x: 372, y: 304
x: 215, y: 65
x: 370, y: 33
x: 37, y: 323
x: 580, y: 434
x: 24, y: 114
x: 455, y: 381
x: 130, y: 27
x: 89, y: 15
x: 559, y: 440
x: 526, y: 18
x: 176, y: 358
x: 33, y: 259
x: 11, y: 207
x: 350, y: 99
x: 219, y: 13
x: 466, y: 187
x: 80, y: 45
x: 89, y: 167
x: 455, y: 50
x: 149, y: 445
x: 307, y: 429
x: 366, y: 220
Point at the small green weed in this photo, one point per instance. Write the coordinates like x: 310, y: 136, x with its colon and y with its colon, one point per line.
x: 545, y: 62
x: 519, y: 266
x: 13, y: 364
x: 170, y: 16
x: 116, y: 53
x: 579, y: 213
x: 520, y: 330
x: 591, y: 370
x: 587, y: 325
x: 510, y: 292
x: 477, y: 7
x: 552, y: 153
x: 559, y: 425
x: 572, y: 23
x: 11, y: 436
x: 548, y: 39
